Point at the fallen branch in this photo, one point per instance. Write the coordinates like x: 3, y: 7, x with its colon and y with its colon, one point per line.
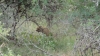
x: 42, y: 50
x: 96, y: 28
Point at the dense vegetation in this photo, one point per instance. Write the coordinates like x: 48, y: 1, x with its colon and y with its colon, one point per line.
x: 69, y: 27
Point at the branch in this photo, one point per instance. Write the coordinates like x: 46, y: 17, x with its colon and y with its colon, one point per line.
x: 33, y: 20
x: 96, y: 28
x: 42, y: 50
x: 4, y: 37
x: 47, y: 53
x: 31, y: 50
x: 2, y: 45
x: 21, y: 23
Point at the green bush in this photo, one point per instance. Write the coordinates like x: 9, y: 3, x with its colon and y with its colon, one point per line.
x: 10, y: 53
x: 3, y: 32
x: 47, y: 42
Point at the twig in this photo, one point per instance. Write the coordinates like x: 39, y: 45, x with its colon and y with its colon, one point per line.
x: 4, y: 37
x: 21, y: 23
x: 26, y: 44
x: 3, y: 44
x: 33, y: 20
x: 42, y: 50
x: 96, y: 28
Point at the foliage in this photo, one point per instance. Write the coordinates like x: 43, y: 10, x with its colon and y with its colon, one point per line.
x: 10, y: 53
x: 83, y: 9
x: 67, y: 16
x: 3, y: 32
x: 88, y: 38
x: 46, y: 6
x: 47, y: 43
